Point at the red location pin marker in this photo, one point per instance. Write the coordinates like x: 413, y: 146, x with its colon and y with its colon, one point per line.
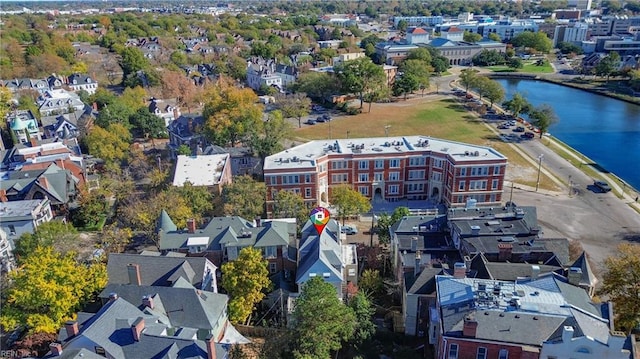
x: 319, y: 217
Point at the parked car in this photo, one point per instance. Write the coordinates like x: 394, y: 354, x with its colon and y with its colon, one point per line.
x: 518, y: 129
x: 320, y: 119
x: 310, y: 122
x: 528, y: 135
x: 503, y: 126
x: 326, y: 117
x: 602, y: 185
x: 348, y: 229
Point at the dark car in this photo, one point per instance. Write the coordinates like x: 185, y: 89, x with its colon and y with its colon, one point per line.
x: 320, y: 119
x: 528, y: 135
x: 518, y: 129
x: 603, y: 186
x: 504, y: 126
x: 326, y: 117
x: 310, y: 122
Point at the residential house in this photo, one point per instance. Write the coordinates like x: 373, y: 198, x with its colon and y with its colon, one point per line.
x: 82, y: 82
x: 62, y: 126
x: 185, y: 130
x: 324, y: 254
x: 121, y: 329
x: 7, y: 261
x: 261, y: 73
x: 329, y: 44
x: 154, y: 269
x: 60, y: 101
x: 494, y: 319
x: 44, y: 153
x: 15, y: 85
x: 211, y: 171
x: 243, y: 160
x: 165, y: 109
x: 341, y: 58
x: 388, y: 168
x: 508, y: 233
x: 288, y: 74
x: 222, y: 238
x: 24, y: 126
x: 55, y: 81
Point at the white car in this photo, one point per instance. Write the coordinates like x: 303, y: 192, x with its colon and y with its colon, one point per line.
x: 349, y: 230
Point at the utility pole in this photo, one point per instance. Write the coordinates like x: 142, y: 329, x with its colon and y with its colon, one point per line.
x: 539, y: 167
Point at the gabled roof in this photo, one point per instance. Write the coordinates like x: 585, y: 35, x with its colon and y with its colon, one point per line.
x: 160, y: 270
x: 324, y: 250
x: 588, y: 278
x: 185, y: 307
x: 505, y: 270
x: 424, y: 283
x: 272, y: 234
x: 215, y: 231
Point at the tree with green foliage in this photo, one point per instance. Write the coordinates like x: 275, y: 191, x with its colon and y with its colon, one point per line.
x: 56, y: 234
x: 296, y: 105
x: 608, y: 65
x: 322, y: 321
x: 543, y: 117
x: 147, y: 124
x: 620, y: 284
x: 467, y: 78
x: 569, y: 48
x: 110, y: 144
x: 184, y: 150
x: 244, y: 197
x: 245, y: 280
x: 471, y: 37
x: 402, y: 25
x: 515, y: 63
x: 116, y: 112
x: 132, y: 60
x: 407, y: 83
x: 417, y: 69
x: 440, y: 64
x: 317, y: 85
x: 348, y: 201
x: 385, y: 221
x: 371, y: 283
x: 363, y: 311
x: 494, y: 92
x: 517, y: 105
x: 494, y: 37
x: 289, y: 204
x: 360, y: 77
x: 198, y: 198
x: 538, y: 41
x: 421, y: 54
x: 488, y: 58
x: 48, y: 289
x: 93, y: 207
x: 267, y: 138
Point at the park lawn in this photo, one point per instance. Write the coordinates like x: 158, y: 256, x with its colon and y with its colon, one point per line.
x: 533, y: 68
x: 445, y: 119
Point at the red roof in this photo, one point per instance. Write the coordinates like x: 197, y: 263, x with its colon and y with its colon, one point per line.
x: 418, y: 30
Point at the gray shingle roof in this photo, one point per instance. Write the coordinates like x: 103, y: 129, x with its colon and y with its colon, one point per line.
x: 185, y: 307
x: 159, y: 270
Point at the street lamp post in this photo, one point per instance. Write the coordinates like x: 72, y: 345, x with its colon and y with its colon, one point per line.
x: 569, y: 185
x: 348, y: 132
x: 386, y: 130
x: 539, y: 167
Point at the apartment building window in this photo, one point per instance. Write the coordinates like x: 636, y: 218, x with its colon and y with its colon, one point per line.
x: 363, y: 165
x: 290, y: 179
x: 307, y: 178
x: 336, y: 165
x: 394, y: 163
x: 417, y: 161
x: 482, y: 353
x: 394, y: 189
x: 415, y: 187
x: 453, y: 351
x: 394, y: 176
x: 416, y: 174
x: 437, y: 163
x: 273, y: 179
x: 363, y: 177
x: 436, y: 176
x: 270, y: 252
x: 378, y: 176
x: 477, y: 185
x: 496, y: 170
x: 503, y: 354
x: 307, y: 193
x: 463, y: 171
x: 494, y: 184
x: 461, y: 186
x: 339, y: 178
x: 479, y: 171
x: 272, y: 268
x: 296, y: 190
x: 364, y: 190
x: 379, y: 164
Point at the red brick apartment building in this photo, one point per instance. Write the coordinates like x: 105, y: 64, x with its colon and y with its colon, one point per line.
x: 389, y: 168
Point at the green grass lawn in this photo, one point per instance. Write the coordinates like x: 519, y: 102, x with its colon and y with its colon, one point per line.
x: 529, y: 67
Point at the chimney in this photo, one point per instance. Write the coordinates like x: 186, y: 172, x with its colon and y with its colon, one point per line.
x: 33, y: 141
x: 467, y: 261
x: 147, y: 301
x: 94, y: 106
x: 470, y: 327
x: 43, y: 182
x: 535, y: 272
x: 72, y: 328
x: 567, y: 334
x: 258, y: 222
x: 191, y: 225
x: 3, y: 195
x: 417, y: 269
x: 136, y: 328
x: 504, y: 252
x: 459, y: 270
x: 414, y: 244
x: 113, y: 296
x: 56, y: 349
x: 134, y: 274
x: 211, y: 347
x: 574, y: 275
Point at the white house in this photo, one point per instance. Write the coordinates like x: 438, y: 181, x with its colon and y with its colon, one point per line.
x: 60, y: 101
x: 79, y: 82
x: 593, y: 340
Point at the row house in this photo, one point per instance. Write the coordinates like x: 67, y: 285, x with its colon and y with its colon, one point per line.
x: 54, y: 102
x: 74, y: 81
x: 222, y: 238
x: 389, y: 168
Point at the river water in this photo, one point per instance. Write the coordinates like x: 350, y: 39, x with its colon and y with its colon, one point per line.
x: 602, y: 128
